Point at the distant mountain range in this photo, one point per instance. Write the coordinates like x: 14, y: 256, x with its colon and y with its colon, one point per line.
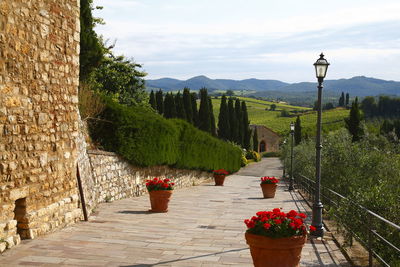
x: 356, y: 86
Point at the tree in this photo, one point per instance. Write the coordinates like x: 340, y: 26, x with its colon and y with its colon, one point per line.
x: 232, y: 121
x: 297, y: 131
x: 91, y: 47
x: 152, y: 100
x: 180, y: 109
x: 187, y: 104
x: 347, y: 100
x: 369, y: 107
x: 204, y: 112
x: 246, y: 128
x: 193, y: 98
x: 272, y: 107
x: 255, y: 140
x: 169, y: 106
x: 212, y: 118
x: 239, y: 119
x: 122, y: 78
x: 230, y: 93
x: 353, y: 123
x: 341, y: 100
x: 328, y: 106
x: 223, y: 120
x: 160, y: 101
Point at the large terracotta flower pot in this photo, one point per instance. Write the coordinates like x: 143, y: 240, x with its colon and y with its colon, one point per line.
x: 219, y: 179
x: 159, y: 200
x: 275, y: 252
x: 268, y: 190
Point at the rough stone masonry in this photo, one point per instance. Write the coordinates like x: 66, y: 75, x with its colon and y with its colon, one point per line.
x: 39, y: 76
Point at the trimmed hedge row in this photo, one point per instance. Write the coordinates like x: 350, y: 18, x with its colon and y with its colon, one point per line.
x: 147, y: 139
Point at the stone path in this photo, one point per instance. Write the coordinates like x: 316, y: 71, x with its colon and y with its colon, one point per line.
x: 204, y: 227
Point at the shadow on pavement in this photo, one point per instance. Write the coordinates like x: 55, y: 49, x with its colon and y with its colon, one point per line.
x: 188, y: 258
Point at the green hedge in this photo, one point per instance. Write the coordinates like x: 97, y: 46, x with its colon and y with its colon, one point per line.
x: 146, y: 139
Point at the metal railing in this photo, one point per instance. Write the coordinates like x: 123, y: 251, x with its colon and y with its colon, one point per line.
x: 371, y: 230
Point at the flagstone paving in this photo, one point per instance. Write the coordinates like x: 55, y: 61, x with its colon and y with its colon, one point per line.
x: 204, y: 227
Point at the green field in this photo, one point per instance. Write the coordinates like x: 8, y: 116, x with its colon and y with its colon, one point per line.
x: 331, y: 119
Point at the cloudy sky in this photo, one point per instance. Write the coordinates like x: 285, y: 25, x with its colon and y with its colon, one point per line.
x: 264, y: 39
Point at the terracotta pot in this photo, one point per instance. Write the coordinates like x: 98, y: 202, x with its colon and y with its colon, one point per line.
x: 159, y: 200
x: 274, y: 252
x: 219, y: 179
x: 268, y: 190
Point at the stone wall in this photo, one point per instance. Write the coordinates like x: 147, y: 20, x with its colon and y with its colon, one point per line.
x: 114, y: 178
x: 268, y: 140
x: 39, y: 71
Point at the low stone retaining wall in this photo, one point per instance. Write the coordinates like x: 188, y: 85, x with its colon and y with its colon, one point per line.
x: 114, y: 178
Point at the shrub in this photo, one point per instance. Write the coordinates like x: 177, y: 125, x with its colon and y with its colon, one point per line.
x: 274, y: 154
x: 146, y: 139
x: 243, y: 161
x: 251, y: 154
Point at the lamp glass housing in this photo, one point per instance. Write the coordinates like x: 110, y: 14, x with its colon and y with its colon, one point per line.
x: 321, y: 67
x: 291, y: 126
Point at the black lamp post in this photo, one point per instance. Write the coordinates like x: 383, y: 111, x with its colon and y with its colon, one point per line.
x: 291, y: 157
x: 321, y: 67
x: 284, y: 162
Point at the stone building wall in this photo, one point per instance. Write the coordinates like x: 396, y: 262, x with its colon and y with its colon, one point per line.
x: 268, y: 140
x: 114, y: 178
x: 39, y: 71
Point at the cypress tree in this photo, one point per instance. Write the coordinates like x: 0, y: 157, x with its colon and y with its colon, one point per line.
x: 239, y: 119
x: 187, y: 104
x: 212, y: 118
x: 297, y: 131
x: 347, y: 99
x: 152, y: 100
x: 246, y: 128
x: 180, y: 109
x: 232, y: 121
x: 193, y: 98
x: 255, y: 140
x: 160, y: 101
x: 204, y: 112
x: 341, y: 100
x: 223, y: 120
x: 169, y: 106
x: 353, y: 123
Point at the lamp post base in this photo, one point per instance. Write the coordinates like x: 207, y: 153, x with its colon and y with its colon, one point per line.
x: 317, y: 220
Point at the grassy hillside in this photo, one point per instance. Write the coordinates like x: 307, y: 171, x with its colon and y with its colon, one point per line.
x: 331, y: 119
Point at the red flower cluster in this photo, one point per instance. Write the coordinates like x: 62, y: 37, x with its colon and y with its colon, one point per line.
x: 277, y: 224
x: 159, y: 184
x: 269, y: 180
x: 221, y: 172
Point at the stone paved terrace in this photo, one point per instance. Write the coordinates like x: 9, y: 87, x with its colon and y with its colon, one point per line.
x: 204, y: 227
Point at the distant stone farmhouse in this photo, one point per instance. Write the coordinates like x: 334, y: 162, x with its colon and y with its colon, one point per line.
x: 268, y: 140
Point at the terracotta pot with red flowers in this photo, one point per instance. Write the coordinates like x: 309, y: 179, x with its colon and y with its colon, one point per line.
x: 219, y: 176
x: 160, y: 192
x: 276, y: 238
x: 268, y: 186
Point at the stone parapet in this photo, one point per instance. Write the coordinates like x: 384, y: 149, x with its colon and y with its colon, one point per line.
x: 114, y: 178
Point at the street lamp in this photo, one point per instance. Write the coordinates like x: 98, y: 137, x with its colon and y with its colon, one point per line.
x: 321, y: 67
x: 284, y: 161
x: 291, y: 158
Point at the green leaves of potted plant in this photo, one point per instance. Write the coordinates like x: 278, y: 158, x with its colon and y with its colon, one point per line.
x: 268, y: 186
x: 276, y: 238
x: 160, y: 192
x: 219, y: 176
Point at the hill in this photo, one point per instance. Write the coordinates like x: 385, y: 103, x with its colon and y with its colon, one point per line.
x: 259, y: 113
x: 356, y: 86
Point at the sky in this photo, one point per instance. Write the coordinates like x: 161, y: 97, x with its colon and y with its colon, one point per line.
x: 263, y: 39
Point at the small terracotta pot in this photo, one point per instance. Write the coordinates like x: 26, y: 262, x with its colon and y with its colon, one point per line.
x: 274, y: 252
x: 159, y: 200
x: 219, y: 179
x: 268, y: 190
